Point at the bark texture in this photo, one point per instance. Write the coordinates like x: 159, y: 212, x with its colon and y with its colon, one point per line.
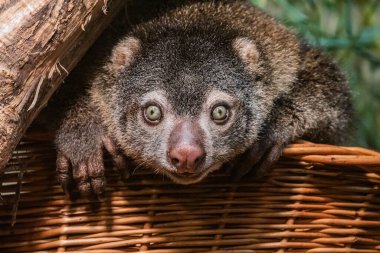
x: 40, y: 43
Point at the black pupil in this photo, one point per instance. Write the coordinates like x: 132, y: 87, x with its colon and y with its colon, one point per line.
x: 153, y: 113
x: 220, y: 113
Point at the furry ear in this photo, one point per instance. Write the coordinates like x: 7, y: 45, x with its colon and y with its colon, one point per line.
x: 248, y: 53
x: 124, y: 53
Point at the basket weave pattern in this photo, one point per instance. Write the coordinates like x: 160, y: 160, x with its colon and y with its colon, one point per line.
x: 318, y: 198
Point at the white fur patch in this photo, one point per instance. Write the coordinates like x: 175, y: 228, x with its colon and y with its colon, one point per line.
x: 218, y: 96
x: 124, y: 53
x: 213, y: 98
x: 158, y: 96
x: 165, y: 127
x: 247, y: 51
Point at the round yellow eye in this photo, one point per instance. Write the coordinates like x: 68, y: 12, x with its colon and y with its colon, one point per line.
x: 219, y: 113
x: 153, y: 113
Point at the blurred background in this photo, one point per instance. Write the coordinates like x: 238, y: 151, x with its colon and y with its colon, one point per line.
x: 349, y: 30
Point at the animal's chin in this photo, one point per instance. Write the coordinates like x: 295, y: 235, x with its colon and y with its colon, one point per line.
x: 191, y: 178
x: 181, y: 179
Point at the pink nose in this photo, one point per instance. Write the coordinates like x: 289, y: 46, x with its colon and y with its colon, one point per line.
x: 186, y: 158
x: 186, y: 151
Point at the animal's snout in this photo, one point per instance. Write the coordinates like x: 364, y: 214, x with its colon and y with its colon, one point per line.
x: 186, y: 152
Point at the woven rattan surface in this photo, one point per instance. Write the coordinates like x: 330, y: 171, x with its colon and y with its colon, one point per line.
x: 318, y: 198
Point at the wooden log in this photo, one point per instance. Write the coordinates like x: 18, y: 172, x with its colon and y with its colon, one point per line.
x: 40, y: 43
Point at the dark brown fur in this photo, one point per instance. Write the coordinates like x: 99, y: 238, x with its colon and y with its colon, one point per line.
x: 278, y: 89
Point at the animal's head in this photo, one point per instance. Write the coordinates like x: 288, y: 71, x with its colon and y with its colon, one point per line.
x: 184, y: 104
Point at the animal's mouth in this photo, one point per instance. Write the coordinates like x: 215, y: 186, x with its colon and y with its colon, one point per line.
x: 190, y: 178
x: 184, y: 178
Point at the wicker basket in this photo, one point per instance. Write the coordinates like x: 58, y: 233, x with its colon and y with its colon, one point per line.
x: 319, y: 198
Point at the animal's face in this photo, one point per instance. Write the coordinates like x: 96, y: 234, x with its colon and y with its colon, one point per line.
x: 186, y: 147
x: 185, y: 109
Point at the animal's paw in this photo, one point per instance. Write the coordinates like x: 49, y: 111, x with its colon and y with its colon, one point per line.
x: 257, y: 160
x: 86, y: 175
x: 119, y: 160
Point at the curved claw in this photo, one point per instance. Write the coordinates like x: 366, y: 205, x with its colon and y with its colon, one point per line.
x: 64, y: 174
x: 257, y: 160
x: 95, y: 169
x: 244, y: 164
x: 118, y: 158
x: 268, y: 160
x: 81, y: 179
x: 87, y: 175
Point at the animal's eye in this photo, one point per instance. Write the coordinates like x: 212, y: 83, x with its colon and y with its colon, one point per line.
x: 152, y: 114
x: 220, y: 114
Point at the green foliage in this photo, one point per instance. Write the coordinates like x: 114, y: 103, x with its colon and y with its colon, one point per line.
x: 350, y: 31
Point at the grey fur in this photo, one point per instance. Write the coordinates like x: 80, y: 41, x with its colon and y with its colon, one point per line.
x: 278, y: 89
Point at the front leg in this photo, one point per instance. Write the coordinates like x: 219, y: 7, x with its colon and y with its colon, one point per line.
x: 80, y: 141
x: 317, y: 108
x: 258, y: 159
x: 279, y: 131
